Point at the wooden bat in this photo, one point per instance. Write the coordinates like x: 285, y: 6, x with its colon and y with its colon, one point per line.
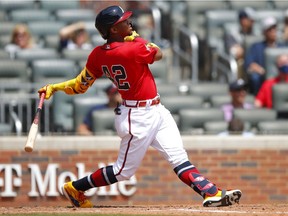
x: 34, y: 127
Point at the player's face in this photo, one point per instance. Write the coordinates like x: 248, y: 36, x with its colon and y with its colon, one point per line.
x: 124, y: 28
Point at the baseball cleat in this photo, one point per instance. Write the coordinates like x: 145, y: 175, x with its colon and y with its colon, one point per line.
x: 223, y: 198
x: 77, y: 198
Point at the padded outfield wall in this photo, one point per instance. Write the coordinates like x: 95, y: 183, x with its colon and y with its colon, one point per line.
x: 256, y: 165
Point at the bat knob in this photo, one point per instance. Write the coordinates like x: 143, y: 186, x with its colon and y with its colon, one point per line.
x: 28, y: 149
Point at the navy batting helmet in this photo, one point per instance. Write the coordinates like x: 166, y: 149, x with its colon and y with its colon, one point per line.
x: 109, y: 17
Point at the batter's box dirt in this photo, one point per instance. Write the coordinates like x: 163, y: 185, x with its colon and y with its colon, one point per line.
x: 163, y: 210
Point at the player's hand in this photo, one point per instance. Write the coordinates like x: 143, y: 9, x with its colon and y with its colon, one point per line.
x: 131, y: 37
x: 48, y: 90
x: 152, y: 45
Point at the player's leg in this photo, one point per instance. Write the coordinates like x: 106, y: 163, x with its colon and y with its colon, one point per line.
x: 169, y: 142
x: 135, y: 140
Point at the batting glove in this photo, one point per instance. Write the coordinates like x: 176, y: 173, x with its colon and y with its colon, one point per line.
x: 131, y: 37
x: 48, y: 90
x: 152, y: 45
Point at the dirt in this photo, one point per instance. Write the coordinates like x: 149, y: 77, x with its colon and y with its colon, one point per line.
x: 241, y: 209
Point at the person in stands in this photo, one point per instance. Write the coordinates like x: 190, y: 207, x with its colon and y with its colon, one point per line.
x: 114, y: 98
x: 21, y: 38
x: 238, y: 93
x: 264, y: 96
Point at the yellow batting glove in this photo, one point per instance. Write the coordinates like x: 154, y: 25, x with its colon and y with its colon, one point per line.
x: 152, y: 45
x: 48, y: 90
x: 131, y: 37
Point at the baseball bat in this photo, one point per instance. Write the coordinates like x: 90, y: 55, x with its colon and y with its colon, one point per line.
x: 29, y: 146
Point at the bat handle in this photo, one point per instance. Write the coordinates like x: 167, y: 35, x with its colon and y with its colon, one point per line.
x: 42, y: 97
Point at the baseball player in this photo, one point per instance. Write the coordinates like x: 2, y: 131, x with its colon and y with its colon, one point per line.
x: 141, y: 120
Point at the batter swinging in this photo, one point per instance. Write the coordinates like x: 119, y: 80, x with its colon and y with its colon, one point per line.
x: 141, y: 120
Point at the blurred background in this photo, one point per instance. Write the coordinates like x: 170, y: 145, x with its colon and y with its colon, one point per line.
x: 194, y: 78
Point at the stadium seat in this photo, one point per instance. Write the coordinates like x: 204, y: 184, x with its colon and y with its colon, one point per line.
x: 175, y: 103
x: 56, y: 5
x: 62, y: 112
x: 8, y: 5
x: 28, y: 15
x: 4, y: 54
x: 276, y: 127
x: 52, y: 71
x: 254, y: 116
x: 280, y: 97
x: 217, y: 101
x: 81, y: 106
x: 270, y: 59
x: 30, y: 55
x: 280, y: 4
x: 2, y: 15
x: 159, y: 70
x: 214, y: 26
x: 5, y: 129
x: 7, y: 27
x: 215, y: 127
x: 14, y: 76
x: 4, y: 40
x: 44, y: 28
x: 194, y: 119
x: 196, y: 14
x: 208, y: 89
x: 75, y: 15
x: 103, y: 122
x: 238, y: 5
x: 51, y: 41
x: 76, y: 55
x: 168, y: 89
x: 277, y: 13
x: 13, y: 71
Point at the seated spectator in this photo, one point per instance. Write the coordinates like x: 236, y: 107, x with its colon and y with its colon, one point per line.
x: 238, y: 92
x: 114, y: 98
x: 236, y: 127
x: 20, y: 39
x: 235, y: 40
x: 254, y: 59
x: 264, y: 96
x: 285, y: 28
x: 74, y: 36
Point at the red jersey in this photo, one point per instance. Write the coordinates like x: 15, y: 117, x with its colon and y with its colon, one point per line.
x: 265, y: 93
x: 126, y: 65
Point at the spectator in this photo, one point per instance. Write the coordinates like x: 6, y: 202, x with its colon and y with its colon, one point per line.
x: 75, y: 36
x: 285, y: 28
x: 236, y: 127
x: 264, y: 96
x: 114, y: 98
x: 238, y: 92
x: 20, y: 39
x: 235, y: 40
x: 254, y: 58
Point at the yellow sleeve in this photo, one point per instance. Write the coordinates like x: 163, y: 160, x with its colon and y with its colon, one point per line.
x: 78, y: 85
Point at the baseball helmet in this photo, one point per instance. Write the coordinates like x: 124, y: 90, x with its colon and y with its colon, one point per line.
x: 109, y: 17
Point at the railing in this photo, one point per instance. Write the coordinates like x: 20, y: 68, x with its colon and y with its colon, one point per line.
x: 18, y: 104
x: 186, y: 51
x: 224, y: 68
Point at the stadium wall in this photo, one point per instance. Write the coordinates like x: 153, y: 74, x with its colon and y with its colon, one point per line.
x: 256, y: 165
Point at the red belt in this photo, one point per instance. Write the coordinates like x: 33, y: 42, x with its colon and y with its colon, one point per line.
x: 143, y: 103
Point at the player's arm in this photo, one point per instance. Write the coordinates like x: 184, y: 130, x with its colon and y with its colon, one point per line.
x: 78, y: 85
x: 158, y: 56
x: 136, y: 37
